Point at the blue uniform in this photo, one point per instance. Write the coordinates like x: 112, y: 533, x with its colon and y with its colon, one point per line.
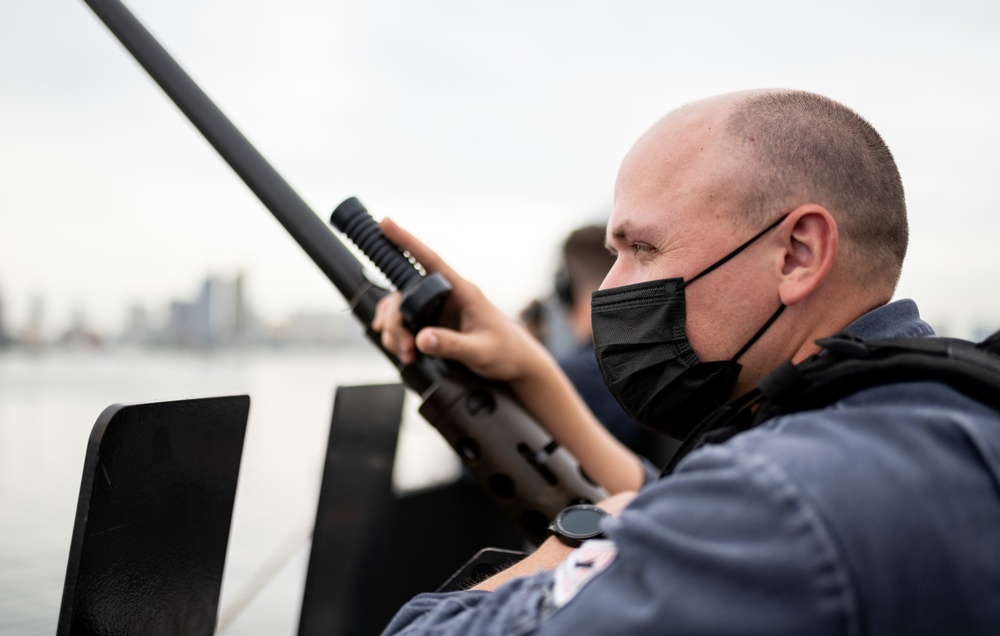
x: 879, y: 514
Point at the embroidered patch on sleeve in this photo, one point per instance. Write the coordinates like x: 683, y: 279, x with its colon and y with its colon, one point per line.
x: 582, y: 565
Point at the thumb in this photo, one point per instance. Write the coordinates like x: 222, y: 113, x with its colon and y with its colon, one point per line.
x: 446, y: 343
x: 429, y: 341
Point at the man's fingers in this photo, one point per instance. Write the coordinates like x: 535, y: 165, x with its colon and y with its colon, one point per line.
x: 400, y: 344
x: 395, y: 338
x: 423, y: 254
x: 385, y: 309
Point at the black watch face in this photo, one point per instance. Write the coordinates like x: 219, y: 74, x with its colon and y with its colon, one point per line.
x: 581, y: 522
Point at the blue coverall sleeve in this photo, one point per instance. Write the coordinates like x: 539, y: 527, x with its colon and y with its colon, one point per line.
x: 728, y: 544
x: 514, y: 609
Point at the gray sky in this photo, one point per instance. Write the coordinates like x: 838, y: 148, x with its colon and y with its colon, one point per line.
x: 488, y: 128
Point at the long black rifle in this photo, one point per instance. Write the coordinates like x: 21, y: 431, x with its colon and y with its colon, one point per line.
x: 528, y: 475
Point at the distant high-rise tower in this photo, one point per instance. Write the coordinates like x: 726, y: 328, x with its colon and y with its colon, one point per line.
x: 218, y: 316
x: 241, y: 328
x: 138, y: 327
x: 219, y: 312
x: 4, y: 334
x: 32, y: 333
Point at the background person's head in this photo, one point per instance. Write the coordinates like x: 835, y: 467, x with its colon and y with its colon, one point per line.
x: 585, y: 262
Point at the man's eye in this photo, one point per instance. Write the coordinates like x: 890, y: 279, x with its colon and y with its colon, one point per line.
x: 640, y: 248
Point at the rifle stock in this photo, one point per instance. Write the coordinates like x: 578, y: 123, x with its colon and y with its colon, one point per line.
x: 528, y: 475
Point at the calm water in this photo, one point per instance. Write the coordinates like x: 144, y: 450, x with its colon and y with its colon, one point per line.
x: 50, y: 401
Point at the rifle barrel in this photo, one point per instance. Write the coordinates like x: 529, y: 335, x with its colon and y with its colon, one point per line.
x: 315, y: 237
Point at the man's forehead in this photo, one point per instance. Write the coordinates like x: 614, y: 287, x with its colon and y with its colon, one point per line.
x: 682, y: 146
x: 681, y: 167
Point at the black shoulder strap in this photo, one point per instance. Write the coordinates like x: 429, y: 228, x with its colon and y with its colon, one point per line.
x: 991, y: 344
x: 849, y: 364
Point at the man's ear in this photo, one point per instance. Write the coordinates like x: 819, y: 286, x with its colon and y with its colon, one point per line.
x: 810, y: 244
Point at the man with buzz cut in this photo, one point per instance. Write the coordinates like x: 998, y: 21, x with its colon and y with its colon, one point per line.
x: 746, y: 227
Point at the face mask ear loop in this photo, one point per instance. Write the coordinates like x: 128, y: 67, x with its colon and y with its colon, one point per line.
x: 756, y: 336
x: 725, y: 259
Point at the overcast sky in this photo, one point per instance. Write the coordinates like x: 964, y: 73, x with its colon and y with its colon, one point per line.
x: 490, y: 129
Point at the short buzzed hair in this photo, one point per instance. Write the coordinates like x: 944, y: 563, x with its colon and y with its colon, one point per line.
x: 797, y: 147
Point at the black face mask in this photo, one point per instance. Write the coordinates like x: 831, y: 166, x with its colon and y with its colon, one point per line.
x: 647, y: 361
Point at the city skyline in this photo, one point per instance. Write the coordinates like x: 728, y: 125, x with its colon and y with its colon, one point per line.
x: 217, y: 314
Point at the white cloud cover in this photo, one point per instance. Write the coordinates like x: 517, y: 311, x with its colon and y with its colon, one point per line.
x: 489, y: 129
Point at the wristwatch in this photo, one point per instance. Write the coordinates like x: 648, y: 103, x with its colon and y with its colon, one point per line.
x: 576, y: 524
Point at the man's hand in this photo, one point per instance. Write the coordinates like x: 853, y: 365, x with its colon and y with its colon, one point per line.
x: 473, y: 331
x: 477, y: 334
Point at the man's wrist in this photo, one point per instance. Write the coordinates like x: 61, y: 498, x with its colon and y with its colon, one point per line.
x: 576, y: 524
x: 549, y: 554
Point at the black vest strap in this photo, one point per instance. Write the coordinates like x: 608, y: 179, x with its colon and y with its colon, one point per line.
x: 849, y: 364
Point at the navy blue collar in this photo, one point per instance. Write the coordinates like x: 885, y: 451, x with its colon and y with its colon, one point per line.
x: 898, y: 319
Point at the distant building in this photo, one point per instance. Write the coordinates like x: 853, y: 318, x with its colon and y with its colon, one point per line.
x: 243, y: 323
x: 79, y: 333
x: 5, y: 337
x: 324, y: 329
x: 182, y: 326
x: 31, y: 335
x: 139, y: 330
x: 219, y: 316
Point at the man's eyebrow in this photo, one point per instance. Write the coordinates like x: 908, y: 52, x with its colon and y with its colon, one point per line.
x: 619, y: 233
